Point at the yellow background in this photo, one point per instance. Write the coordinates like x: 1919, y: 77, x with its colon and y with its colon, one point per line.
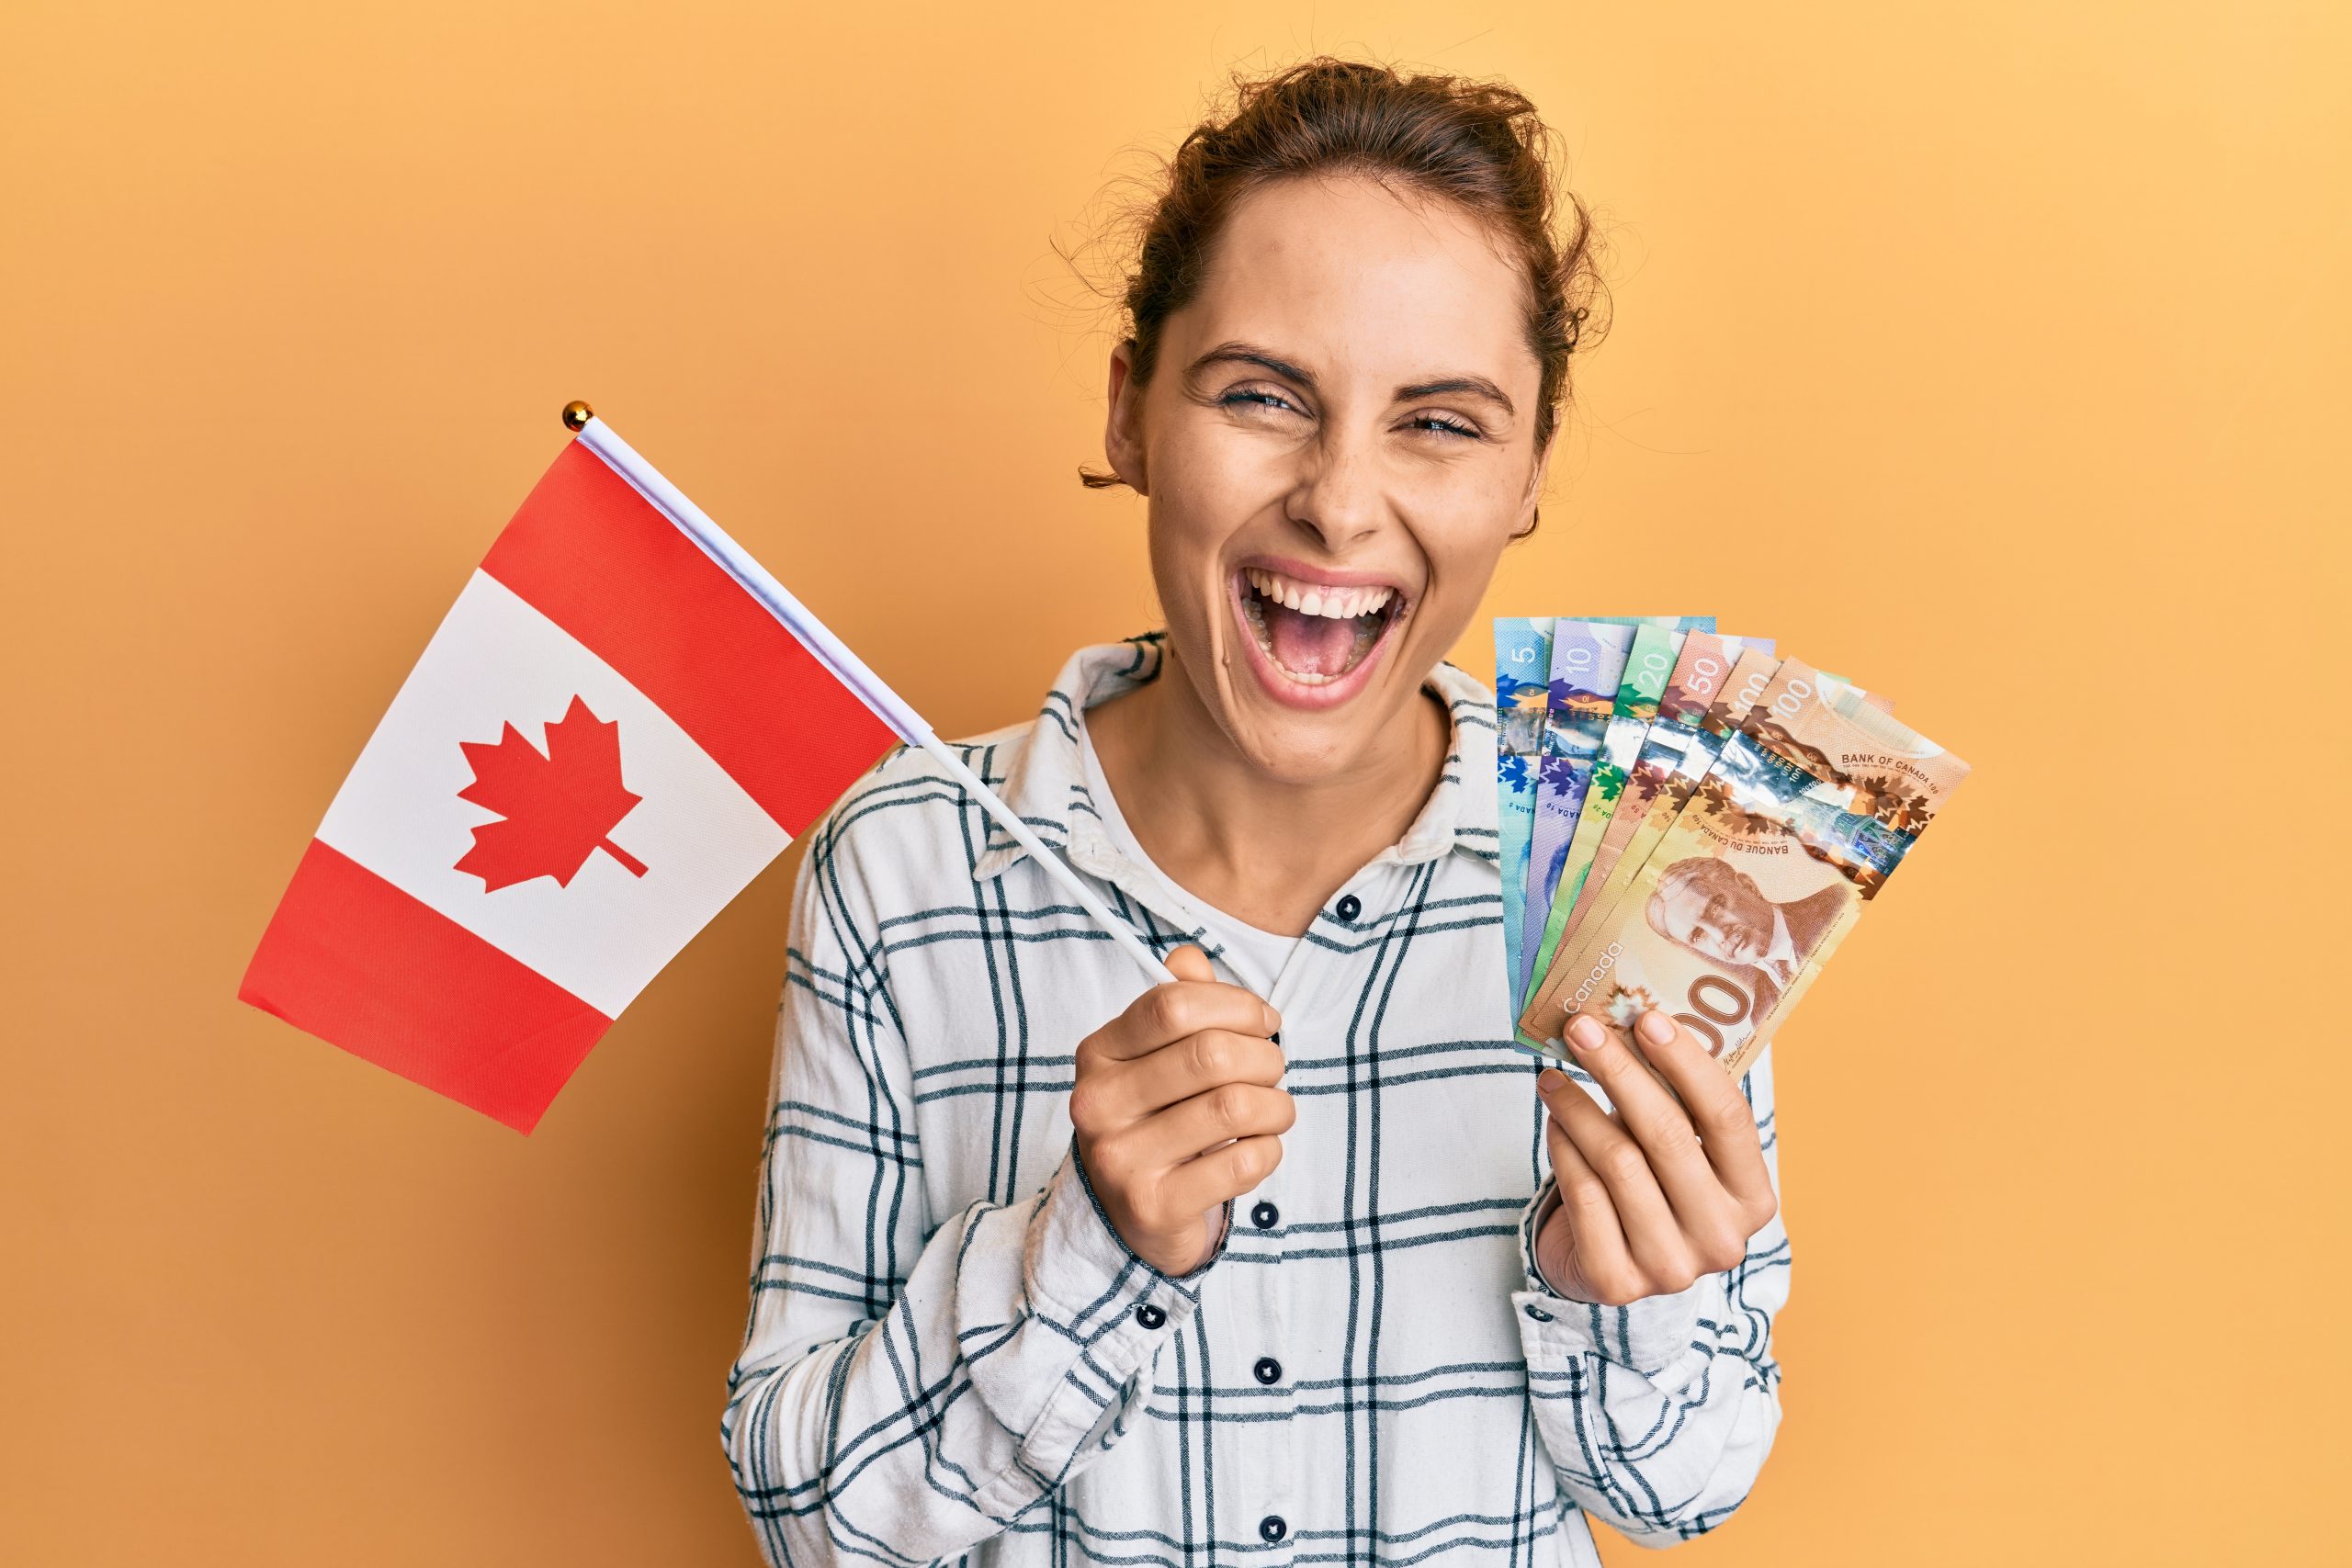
x: 1993, y: 354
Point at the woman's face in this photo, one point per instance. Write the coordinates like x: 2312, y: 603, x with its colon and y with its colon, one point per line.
x: 1337, y: 443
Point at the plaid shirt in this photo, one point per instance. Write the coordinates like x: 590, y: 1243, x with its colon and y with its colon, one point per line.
x: 951, y: 1356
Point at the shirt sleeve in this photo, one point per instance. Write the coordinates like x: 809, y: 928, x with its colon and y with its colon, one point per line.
x: 1658, y: 1414
x: 907, y: 1385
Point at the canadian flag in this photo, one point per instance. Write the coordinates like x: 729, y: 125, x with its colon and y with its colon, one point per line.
x: 618, y: 723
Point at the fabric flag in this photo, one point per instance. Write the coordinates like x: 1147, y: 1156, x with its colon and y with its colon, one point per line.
x: 609, y: 735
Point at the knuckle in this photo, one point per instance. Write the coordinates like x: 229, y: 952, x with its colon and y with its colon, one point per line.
x: 1667, y: 1268
x: 1760, y: 1210
x: 1212, y: 1055
x: 1585, y: 1200
x: 1229, y: 1106
x: 1723, y: 1253
x: 1670, y: 1134
x: 1248, y: 1164
x: 1112, y: 1162
x: 1625, y: 1161
x: 1164, y: 1011
x: 1085, y: 1103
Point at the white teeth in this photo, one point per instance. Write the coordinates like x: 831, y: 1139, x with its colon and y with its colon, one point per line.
x: 1318, y: 598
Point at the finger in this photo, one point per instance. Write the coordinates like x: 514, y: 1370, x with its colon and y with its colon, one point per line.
x: 1188, y: 963
x: 1595, y: 1241
x: 1207, y: 1179
x: 1192, y: 1126
x: 1190, y: 1066
x: 1647, y: 1109
x: 1173, y: 1010
x: 1653, y: 1237
x: 1724, y: 1121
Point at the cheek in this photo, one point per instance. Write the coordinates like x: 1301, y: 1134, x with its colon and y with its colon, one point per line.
x: 1462, y: 562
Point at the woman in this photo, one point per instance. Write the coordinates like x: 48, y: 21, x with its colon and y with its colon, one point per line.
x: 1270, y: 1261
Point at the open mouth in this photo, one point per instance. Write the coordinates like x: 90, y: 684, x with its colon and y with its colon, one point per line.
x: 1315, y: 633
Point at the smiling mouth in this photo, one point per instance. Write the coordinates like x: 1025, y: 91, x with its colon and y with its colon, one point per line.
x: 1314, y: 633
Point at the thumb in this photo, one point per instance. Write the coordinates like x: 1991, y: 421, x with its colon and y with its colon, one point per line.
x: 1190, y: 963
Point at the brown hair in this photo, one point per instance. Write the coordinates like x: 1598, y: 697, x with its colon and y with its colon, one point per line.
x: 1478, y: 144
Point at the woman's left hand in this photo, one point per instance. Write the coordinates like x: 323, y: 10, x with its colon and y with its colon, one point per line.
x: 1653, y: 1197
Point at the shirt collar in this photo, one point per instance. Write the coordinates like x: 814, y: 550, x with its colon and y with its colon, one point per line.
x: 1044, y: 777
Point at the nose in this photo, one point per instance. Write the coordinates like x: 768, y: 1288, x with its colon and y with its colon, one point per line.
x: 1338, y: 495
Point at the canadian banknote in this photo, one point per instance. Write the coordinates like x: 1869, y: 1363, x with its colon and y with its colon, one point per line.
x: 1523, y: 663
x: 1588, y: 659
x: 1808, y: 808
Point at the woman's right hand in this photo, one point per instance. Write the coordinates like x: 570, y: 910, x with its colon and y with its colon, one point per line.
x: 1176, y: 1109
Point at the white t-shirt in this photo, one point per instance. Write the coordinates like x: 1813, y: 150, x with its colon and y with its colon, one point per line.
x: 1257, y: 955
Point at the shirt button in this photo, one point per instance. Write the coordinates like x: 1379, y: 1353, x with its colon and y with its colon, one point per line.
x: 1538, y: 1313
x: 1269, y: 1371
x: 1265, y: 1216
x: 1349, y: 906
x: 1149, y: 1316
x: 1272, y: 1528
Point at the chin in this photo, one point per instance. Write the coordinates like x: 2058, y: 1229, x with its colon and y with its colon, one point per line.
x: 1304, y: 754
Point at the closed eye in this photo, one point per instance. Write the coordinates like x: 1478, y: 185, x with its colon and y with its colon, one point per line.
x: 1252, y: 395
x: 1451, y: 427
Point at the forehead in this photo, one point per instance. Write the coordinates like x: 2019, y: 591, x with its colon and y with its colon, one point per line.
x: 1358, y: 280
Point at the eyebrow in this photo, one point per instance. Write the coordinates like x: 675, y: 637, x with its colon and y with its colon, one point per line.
x: 1249, y: 353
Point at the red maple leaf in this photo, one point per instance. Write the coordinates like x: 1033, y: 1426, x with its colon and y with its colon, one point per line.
x: 558, y: 808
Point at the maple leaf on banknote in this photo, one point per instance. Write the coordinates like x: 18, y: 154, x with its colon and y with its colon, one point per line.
x: 1892, y: 799
x: 1627, y: 1003
x: 1716, y: 799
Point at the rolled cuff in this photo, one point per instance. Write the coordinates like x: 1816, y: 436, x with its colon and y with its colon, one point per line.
x: 1659, y: 1336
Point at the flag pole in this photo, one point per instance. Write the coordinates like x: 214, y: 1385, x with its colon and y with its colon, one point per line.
x: 885, y: 703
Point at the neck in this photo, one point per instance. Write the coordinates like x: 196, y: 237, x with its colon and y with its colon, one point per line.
x: 1264, y: 851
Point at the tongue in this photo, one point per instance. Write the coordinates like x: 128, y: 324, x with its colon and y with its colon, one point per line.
x: 1308, y: 645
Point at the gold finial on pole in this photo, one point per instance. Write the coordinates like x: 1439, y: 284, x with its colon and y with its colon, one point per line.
x: 576, y: 415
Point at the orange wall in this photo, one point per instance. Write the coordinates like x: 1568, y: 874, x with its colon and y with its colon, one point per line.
x: 1993, y: 355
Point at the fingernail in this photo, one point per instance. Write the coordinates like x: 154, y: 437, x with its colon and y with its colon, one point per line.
x: 1549, y: 1080
x: 1656, y: 1028
x: 1584, y: 1033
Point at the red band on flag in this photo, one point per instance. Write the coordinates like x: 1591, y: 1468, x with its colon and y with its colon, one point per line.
x: 597, y: 558
x: 352, y: 959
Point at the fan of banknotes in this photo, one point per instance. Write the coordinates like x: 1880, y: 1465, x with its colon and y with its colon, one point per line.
x: 1688, y: 823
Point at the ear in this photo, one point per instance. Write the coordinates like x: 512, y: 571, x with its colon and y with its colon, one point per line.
x: 1122, y: 426
x: 1529, y: 502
